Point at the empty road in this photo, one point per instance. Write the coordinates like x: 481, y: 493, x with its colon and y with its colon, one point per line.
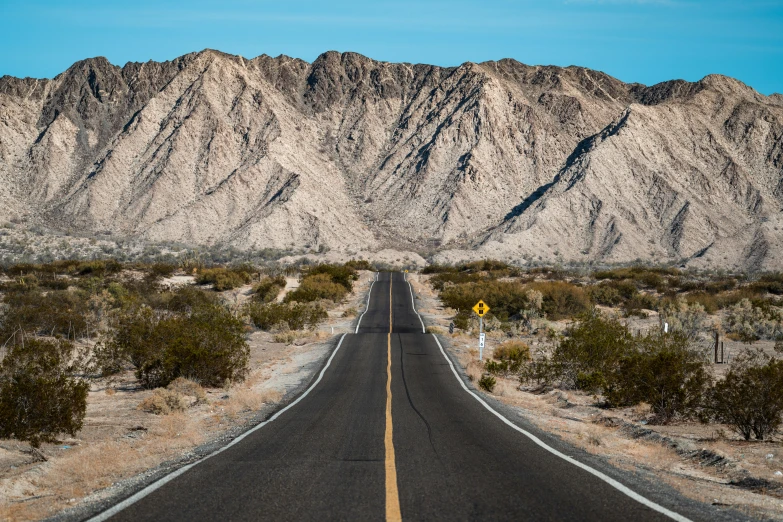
x: 388, y: 432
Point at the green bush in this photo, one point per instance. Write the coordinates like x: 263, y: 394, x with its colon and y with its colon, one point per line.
x: 293, y: 316
x: 753, y: 320
x: 206, y: 345
x: 223, y: 279
x: 39, y: 397
x: 505, y: 298
x: 359, y: 264
x: 664, y: 371
x: 683, y: 316
x: 160, y: 270
x: 343, y: 275
x: 58, y: 312
x: 268, y: 289
x: 750, y: 399
x: 589, y: 356
x: 487, y: 383
x: 316, y: 287
x: 605, y: 294
x: 562, y: 300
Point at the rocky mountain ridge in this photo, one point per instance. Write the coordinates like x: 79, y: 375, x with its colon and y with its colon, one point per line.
x: 497, y: 159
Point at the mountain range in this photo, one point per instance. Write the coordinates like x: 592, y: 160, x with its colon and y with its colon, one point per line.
x: 496, y: 159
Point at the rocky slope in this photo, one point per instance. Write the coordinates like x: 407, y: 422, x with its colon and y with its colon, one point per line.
x: 495, y: 159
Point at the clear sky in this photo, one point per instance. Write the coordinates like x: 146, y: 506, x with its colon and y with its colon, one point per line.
x: 645, y: 41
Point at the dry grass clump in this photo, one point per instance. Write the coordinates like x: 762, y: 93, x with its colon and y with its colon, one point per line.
x: 435, y: 330
x: 350, y: 312
x: 247, y: 399
x: 188, y: 388
x: 290, y: 336
x: 163, y: 402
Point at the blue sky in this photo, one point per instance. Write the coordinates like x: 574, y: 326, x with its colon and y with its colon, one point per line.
x: 645, y: 41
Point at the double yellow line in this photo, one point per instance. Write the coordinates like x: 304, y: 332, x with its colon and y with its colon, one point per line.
x: 392, y: 494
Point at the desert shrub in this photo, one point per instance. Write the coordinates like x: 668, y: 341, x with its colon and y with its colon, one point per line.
x: 295, y: 316
x: 343, y: 275
x: 58, y: 312
x: 268, y: 289
x: 707, y: 301
x: 516, y: 351
x: 206, y: 344
x: 162, y: 402
x: 359, y: 264
x: 663, y: 370
x: 753, y: 321
x: 286, y: 337
x: 224, y: 278
x: 589, y: 356
x: 728, y: 299
x: 435, y: 268
x: 509, y: 358
x: 505, y: 298
x: 183, y: 300
x: 772, y: 283
x: 720, y: 285
x: 487, y: 383
x: 605, y: 294
x: 638, y: 303
x: 750, y: 399
x: 562, y: 300
x: 98, y: 268
x: 160, y: 270
x: 316, y: 287
x: 446, y: 279
x: 39, y: 396
x: 350, y: 312
x: 683, y: 316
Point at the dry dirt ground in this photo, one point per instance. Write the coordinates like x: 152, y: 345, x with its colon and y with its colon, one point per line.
x: 707, y: 462
x: 120, y: 441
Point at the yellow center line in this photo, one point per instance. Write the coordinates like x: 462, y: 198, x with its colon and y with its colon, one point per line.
x: 392, y: 495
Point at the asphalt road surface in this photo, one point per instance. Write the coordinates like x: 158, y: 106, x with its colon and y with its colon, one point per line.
x: 420, y: 446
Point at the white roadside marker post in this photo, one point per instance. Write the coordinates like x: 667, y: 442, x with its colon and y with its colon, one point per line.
x: 481, y: 338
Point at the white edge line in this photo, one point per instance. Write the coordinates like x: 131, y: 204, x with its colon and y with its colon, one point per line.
x: 367, y: 307
x: 171, y: 476
x: 609, y: 480
x: 413, y: 303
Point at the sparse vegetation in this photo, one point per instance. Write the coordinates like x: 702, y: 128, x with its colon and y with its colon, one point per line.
x: 286, y: 316
x: 324, y: 282
x: 222, y: 278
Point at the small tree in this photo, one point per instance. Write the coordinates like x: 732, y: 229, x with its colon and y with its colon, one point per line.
x: 591, y: 352
x: 750, y: 399
x: 664, y: 371
x: 206, y: 344
x: 39, y: 397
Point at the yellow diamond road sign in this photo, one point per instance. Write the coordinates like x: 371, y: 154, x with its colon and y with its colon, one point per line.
x: 481, y: 308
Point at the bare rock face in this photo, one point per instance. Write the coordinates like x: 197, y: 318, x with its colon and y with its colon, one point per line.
x: 497, y: 159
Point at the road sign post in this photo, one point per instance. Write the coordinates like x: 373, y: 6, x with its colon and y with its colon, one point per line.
x: 481, y: 309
